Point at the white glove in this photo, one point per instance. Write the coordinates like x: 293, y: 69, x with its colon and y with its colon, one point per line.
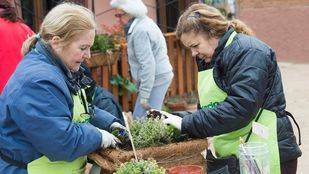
x: 116, y: 125
x: 145, y: 104
x: 172, y: 120
x: 108, y: 139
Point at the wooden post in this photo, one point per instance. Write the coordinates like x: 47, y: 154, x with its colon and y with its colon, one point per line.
x: 181, y: 6
x: 162, y: 16
x: 115, y: 89
x: 94, y: 74
x: 194, y: 67
x: 189, y: 70
x: 38, y: 14
x: 124, y: 73
x: 180, y: 69
x: 170, y: 49
x: 105, y: 77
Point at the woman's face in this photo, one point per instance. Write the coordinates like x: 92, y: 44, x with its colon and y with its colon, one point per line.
x: 73, y: 54
x: 124, y: 16
x: 200, y: 45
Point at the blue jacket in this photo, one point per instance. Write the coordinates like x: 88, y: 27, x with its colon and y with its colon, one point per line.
x: 36, y: 115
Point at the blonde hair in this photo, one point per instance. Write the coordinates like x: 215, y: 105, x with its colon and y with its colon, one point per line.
x: 209, y: 20
x: 66, y: 20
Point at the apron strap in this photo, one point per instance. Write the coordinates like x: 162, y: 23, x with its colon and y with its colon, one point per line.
x: 256, y: 120
x: 261, y: 110
x: 13, y: 162
x: 298, y: 129
x: 84, y: 100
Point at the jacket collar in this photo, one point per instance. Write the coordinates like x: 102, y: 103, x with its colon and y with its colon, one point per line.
x: 46, y: 50
x: 221, y: 44
x: 128, y: 26
x: 134, y: 23
x: 75, y: 81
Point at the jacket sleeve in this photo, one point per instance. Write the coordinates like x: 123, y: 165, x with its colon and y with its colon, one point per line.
x: 41, y: 111
x: 246, y: 85
x: 103, y: 119
x: 104, y: 100
x: 144, y: 54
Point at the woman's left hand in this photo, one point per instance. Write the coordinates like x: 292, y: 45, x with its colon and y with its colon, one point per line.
x: 117, y: 125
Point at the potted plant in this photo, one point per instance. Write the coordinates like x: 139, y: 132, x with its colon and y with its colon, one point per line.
x: 155, y: 140
x: 106, y: 47
x: 139, y: 167
x: 104, y: 51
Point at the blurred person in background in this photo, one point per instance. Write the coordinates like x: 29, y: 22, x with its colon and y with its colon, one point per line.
x: 147, y: 55
x: 13, y: 32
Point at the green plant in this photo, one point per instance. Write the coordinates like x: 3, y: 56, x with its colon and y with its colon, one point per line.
x: 123, y: 83
x: 153, y: 132
x: 103, y: 43
x: 140, y: 167
x: 149, y: 133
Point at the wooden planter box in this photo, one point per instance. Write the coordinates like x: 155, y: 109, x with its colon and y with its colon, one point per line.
x: 182, y: 153
x: 180, y: 106
x: 99, y: 59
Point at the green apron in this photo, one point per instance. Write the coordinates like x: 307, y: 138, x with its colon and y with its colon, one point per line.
x: 227, y: 144
x: 44, y: 166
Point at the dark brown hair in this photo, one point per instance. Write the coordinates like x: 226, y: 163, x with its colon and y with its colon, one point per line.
x: 209, y: 20
x: 8, y: 11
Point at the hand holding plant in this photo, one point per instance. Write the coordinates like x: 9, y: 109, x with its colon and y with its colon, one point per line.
x: 173, y: 120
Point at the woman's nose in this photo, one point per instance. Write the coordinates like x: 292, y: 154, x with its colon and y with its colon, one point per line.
x: 87, y: 54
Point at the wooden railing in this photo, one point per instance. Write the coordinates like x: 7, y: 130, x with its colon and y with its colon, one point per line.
x: 184, y: 67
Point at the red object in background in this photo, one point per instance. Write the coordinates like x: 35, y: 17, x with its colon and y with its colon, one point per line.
x: 186, y: 169
x: 12, y: 36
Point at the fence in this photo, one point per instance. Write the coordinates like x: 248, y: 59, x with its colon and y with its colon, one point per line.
x: 184, y: 67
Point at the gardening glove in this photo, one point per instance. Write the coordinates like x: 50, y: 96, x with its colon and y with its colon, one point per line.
x: 172, y: 120
x: 117, y: 125
x: 145, y: 104
x: 108, y: 139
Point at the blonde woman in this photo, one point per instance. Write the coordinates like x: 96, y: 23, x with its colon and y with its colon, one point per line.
x: 46, y: 123
x: 239, y: 83
x: 147, y: 56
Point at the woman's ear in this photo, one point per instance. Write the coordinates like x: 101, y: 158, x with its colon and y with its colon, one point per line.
x: 55, y: 42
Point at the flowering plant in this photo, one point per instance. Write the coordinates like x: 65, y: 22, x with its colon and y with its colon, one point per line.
x: 111, y: 38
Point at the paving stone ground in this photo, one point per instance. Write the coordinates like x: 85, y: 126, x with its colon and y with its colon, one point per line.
x: 296, y: 88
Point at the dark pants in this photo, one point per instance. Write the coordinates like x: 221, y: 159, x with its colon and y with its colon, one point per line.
x: 289, y: 167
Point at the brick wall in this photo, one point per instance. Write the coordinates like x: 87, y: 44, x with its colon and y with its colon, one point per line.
x: 283, y: 24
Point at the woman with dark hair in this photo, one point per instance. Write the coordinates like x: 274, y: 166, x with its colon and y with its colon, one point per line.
x: 240, y: 90
x: 13, y: 32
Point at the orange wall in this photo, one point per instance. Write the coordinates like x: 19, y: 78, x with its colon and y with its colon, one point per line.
x: 108, y: 18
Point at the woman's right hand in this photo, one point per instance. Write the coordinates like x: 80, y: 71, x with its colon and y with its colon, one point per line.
x: 108, y: 139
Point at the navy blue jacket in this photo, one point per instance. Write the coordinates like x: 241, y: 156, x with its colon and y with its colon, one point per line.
x: 245, y: 70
